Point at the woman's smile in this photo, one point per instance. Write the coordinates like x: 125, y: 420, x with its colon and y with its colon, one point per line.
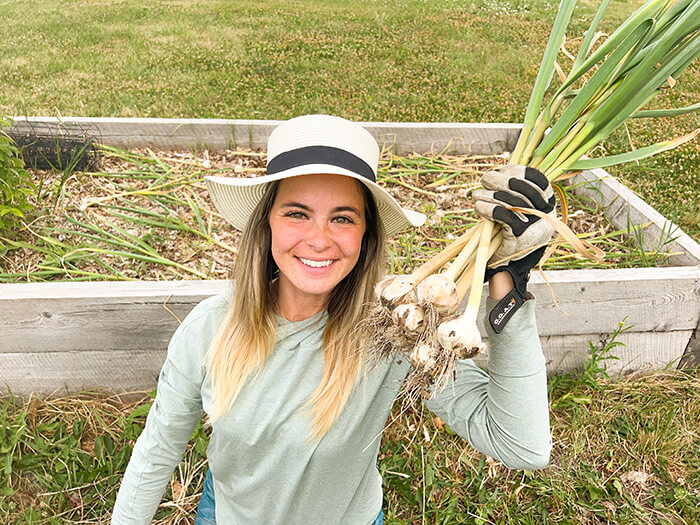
x: 316, y: 264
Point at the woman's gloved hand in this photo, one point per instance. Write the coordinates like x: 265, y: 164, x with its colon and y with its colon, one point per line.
x: 523, y: 234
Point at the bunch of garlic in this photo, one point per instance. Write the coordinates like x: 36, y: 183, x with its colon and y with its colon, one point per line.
x: 423, y: 306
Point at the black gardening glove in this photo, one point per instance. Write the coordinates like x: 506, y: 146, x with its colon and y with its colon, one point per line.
x: 523, y: 234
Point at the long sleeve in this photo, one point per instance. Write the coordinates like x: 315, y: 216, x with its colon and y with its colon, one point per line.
x: 504, y: 413
x: 171, y: 420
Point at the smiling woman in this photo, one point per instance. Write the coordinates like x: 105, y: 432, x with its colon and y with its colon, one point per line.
x: 280, y: 370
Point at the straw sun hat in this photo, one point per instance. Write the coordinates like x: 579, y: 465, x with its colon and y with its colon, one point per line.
x: 308, y: 145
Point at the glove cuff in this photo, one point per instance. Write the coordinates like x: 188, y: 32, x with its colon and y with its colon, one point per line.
x: 505, y: 309
x: 520, y: 279
x: 519, y: 269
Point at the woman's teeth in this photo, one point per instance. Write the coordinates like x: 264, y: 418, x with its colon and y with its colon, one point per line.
x: 316, y: 264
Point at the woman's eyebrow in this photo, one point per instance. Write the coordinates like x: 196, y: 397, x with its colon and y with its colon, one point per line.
x: 337, y: 209
x: 346, y: 208
x: 293, y: 204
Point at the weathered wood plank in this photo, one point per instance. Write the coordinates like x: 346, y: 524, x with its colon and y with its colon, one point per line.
x: 69, y: 372
x: 624, y: 208
x: 219, y: 134
x: 120, y: 371
x: 641, y: 351
x: 64, y: 316
x: 594, y: 301
x: 125, y: 291
x: 452, y: 138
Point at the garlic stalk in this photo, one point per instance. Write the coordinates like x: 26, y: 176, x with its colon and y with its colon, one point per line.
x: 440, y: 290
x: 398, y: 289
x: 464, y: 282
x: 461, y: 335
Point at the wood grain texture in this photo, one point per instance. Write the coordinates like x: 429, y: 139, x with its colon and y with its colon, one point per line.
x: 641, y: 351
x: 57, y: 373
x: 65, y: 316
x: 60, y: 373
x: 572, y: 302
x: 220, y: 134
x: 624, y: 208
x: 594, y: 301
x: 126, y: 291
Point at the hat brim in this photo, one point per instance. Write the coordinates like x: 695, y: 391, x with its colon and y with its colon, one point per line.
x: 237, y: 197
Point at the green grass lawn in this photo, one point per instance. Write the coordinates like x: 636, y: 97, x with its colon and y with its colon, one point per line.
x: 461, y: 60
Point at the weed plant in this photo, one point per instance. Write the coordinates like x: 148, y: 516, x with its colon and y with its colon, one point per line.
x: 15, y: 182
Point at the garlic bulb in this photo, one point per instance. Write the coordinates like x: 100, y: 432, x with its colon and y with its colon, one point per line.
x: 395, y: 289
x: 440, y: 291
x: 423, y: 356
x: 461, y: 336
x: 408, y: 316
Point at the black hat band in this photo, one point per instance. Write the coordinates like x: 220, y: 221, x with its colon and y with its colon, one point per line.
x: 320, y: 155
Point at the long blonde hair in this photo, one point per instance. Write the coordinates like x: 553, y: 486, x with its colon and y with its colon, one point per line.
x: 246, y: 336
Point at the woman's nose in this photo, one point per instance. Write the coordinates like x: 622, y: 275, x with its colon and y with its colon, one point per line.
x: 319, y: 236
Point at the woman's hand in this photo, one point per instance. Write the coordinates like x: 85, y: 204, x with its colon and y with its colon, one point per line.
x: 523, y: 235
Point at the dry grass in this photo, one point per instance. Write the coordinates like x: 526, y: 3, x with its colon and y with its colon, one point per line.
x: 625, y: 451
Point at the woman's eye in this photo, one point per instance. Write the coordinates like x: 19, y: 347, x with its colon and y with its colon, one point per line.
x: 295, y: 215
x: 344, y: 220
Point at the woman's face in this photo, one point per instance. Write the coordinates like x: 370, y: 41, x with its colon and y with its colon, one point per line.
x: 317, y: 224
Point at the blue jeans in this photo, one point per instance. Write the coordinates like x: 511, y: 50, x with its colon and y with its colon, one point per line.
x: 205, y: 509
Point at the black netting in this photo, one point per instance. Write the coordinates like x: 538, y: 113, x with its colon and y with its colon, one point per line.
x: 56, y: 146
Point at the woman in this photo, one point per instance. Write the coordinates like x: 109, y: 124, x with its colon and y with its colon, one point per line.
x: 277, y: 365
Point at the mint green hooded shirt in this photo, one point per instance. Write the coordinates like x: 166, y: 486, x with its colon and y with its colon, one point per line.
x: 264, y: 469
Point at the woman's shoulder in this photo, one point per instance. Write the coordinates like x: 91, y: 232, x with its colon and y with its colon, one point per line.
x: 185, y: 361
x: 201, y: 324
x: 210, y: 309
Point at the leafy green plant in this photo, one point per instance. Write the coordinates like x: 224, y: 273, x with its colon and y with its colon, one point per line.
x: 563, y: 388
x: 15, y: 183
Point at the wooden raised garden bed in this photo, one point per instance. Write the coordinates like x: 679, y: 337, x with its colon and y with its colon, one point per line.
x: 66, y: 336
